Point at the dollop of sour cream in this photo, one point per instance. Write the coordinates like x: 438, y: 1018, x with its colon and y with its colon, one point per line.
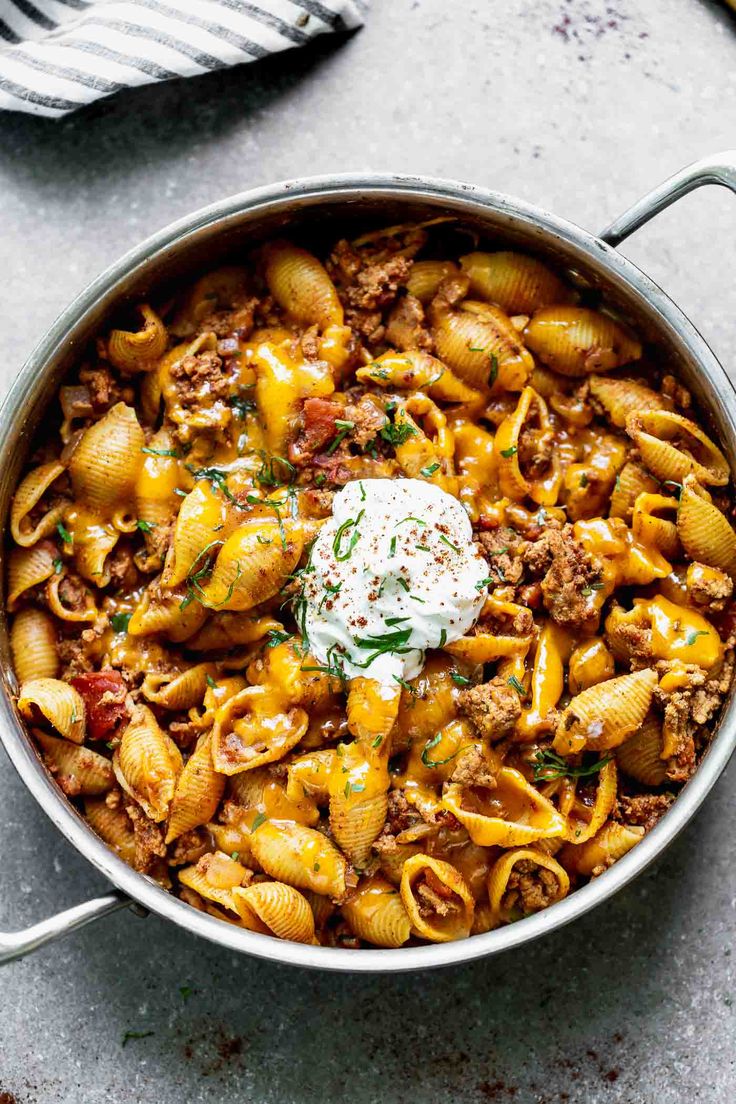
x: 392, y: 573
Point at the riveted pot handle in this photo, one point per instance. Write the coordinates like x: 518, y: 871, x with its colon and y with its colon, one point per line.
x: 17, y: 944
x: 720, y: 168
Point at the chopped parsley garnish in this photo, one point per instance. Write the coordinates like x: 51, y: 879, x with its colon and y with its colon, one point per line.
x: 58, y: 565
x: 493, y: 374
x: 588, y: 590
x: 511, y: 451
x: 458, y: 679
x: 424, y: 548
x: 476, y: 348
x: 405, y: 685
x: 218, y: 478
x: 161, y: 452
x: 429, y: 470
x: 275, y: 471
x: 145, y: 526
x: 432, y: 743
x: 549, y: 766
x: 320, y: 479
x: 63, y: 532
x: 258, y: 821
x: 518, y: 686
x: 275, y: 636
x: 241, y: 405
x: 211, y: 682
x: 128, y: 1035
x: 410, y: 517
x: 397, y: 434
x: 447, y: 540
x: 403, y: 583
x: 693, y: 635
x: 443, y: 638
x: 388, y: 642
x: 351, y: 523
x: 483, y: 583
x: 344, y: 428
x: 584, y: 480
x: 676, y: 487
x: 392, y: 547
x: 362, y: 492
x: 353, y: 787
x: 377, y: 742
x: 120, y: 621
x: 197, y: 573
x: 396, y: 620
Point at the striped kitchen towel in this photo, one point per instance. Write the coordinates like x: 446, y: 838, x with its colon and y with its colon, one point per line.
x: 59, y: 55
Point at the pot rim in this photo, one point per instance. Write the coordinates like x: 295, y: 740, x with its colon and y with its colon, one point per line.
x: 461, y: 198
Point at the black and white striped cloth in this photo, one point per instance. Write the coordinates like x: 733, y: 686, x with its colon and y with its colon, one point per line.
x: 59, y: 55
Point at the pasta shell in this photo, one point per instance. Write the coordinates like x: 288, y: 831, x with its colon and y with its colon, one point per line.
x: 372, y: 709
x: 34, y: 645
x: 113, y: 825
x: 198, y: 526
x: 147, y: 764
x: 358, y: 789
x: 414, y: 370
x: 621, y: 397
x: 594, y: 856
x: 178, y: 690
x: 704, y: 532
x: 171, y: 614
x: 602, y: 716
x: 631, y: 481
x: 513, y: 814
x: 650, y: 527
x: 214, y: 877
x: 27, y: 567
x: 23, y: 529
x: 518, y: 283
x: 158, y: 481
x: 54, y: 701
x: 481, y: 347
x: 503, y: 868
x: 301, y: 286
x: 94, y: 540
x: 641, y: 755
x: 299, y: 856
x: 437, y: 899
x: 531, y: 413
x: 376, y: 913
x: 590, y: 663
x: 230, y: 630
x: 391, y: 862
x: 136, y: 350
x: 58, y: 607
x: 249, y: 732
x: 281, y: 908
x: 105, y: 464
x: 247, y: 571
x: 78, y: 770
x: 223, y: 288
x: 692, y: 452
x: 576, y: 341
x: 426, y: 276
x: 584, y: 820
x: 309, y: 776
x: 199, y: 790
x: 283, y: 666
x: 247, y: 788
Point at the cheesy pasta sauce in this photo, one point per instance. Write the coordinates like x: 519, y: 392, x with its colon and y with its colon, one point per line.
x: 373, y: 597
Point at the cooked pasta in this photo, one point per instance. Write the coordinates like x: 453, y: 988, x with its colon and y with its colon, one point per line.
x: 193, y: 599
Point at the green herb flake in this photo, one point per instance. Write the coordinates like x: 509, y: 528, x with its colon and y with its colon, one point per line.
x: 432, y: 743
x: 548, y: 766
x: 584, y: 480
x: 429, y: 470
x: 258, y: 821
x: 377, y: 742
x: 443, y: 638
x: 353, y: 787
x: 161, y: 452
x: 120, y: 622
x: 424, y: 548
x: 511, y: 451
x: 493, y: 373
x: 405, y: 685
x: 211, y: 682
x: 344, y: 428
x: 397, y: 434
x: 58, y: 565
x: 693, y: 635
x: 128, y: 1035
x: 63, y: 533
x: 447, y: 540
x: 458, y: 679
x: 145, y: 526
x: 276, y: 636
x: 351, y: 523
x: 392, y: 548
x: 518, y: 686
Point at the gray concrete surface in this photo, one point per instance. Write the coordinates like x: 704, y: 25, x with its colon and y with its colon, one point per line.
x: 579, y: 106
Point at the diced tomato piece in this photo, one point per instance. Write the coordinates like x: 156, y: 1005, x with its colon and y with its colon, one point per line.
x: 318, y: 428
x: 104, y: 700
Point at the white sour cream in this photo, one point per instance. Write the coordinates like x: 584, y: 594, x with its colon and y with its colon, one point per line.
x: 392, y: 573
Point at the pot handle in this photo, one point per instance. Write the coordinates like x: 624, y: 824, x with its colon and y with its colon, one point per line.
x: 720, y: 168
x: 17, y: 944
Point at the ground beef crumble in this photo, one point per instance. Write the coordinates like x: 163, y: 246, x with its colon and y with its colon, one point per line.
x: 405, y: 326
x: 149, y: 839
x: 712, y: 590
x: 493, y: 708
x: 473, y: 769
x: 530, y: 887
x: 502, y: 548
x: 568, y: 575
x: 199, y: 379
x: 643, y: 809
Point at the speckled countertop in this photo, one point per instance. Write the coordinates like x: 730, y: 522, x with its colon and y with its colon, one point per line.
x: 579, y: 106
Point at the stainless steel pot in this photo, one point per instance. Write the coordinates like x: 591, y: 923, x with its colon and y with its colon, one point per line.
x: 331, y: 204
